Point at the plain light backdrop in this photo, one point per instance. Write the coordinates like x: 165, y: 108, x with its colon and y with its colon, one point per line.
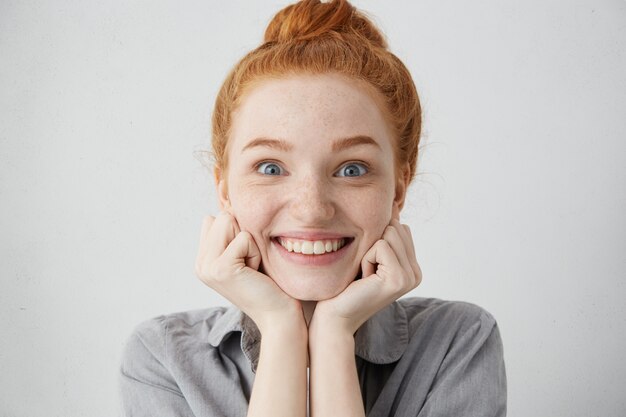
x: 518, y: 207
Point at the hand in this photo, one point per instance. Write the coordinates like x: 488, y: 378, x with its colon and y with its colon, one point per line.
x: 389, y: 270
x: 228, y: 261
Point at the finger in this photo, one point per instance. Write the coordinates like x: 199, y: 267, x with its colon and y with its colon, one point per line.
x: 368, y: 267
x: 412, y: 258
x: 204, y: 242
x: 243, y: 251
x: 397, y: 243
x: 395, y: 212
x: 206, y: 225
x: 235, y: 224
x: 405, y: 231
x: 397, y: 232
x: 380, y: 260
x: 368, y: 262
x: 405, y: 234
x: 222, y: 232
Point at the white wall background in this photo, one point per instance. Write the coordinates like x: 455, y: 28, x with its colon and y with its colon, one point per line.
x: 519, y: 208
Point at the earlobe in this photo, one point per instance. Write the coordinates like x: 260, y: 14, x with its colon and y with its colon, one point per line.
x: 222, y: 190
x: 401, y: 189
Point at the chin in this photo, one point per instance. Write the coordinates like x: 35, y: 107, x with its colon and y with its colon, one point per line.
x: 306, y: 294
x: 311, y: 289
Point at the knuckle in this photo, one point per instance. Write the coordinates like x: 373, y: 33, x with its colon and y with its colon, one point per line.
x: 209, y: 272
x: 201, y: 273
x: 381, y: 244
x: 217, y: 272
x: 418, y: 279
x: 241, y: 238
x: 396, y: 283
x: 390, y: 231
x: 398, y: 287
x: 199, y: 267
x: 228, y: 217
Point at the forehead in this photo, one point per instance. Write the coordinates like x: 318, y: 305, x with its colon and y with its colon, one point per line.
x: 308, y: 109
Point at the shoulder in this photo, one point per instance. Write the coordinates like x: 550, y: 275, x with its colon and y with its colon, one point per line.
x: 419, y: 309
x: 152, y: 342
x: 177, y: 362
x: 455, y: 350
x: 154, y: 333
x: 446, y: 358
x: 445, y: 317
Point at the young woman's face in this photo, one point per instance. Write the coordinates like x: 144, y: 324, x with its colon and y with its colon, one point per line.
x: 311, y: 165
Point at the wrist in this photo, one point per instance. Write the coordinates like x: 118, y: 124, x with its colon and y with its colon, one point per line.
x: 327, y: 321
x: 286, y: 340
x: 335, y: 333
x: 288, y: 323
x: 329, y: 343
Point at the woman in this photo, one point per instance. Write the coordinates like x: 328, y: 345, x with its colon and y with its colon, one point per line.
x: 315, y: 138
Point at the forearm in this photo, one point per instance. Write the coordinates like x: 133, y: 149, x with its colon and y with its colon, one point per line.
x: 334, y: 383
x: 279, y: 388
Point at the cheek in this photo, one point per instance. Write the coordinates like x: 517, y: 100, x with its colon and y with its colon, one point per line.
x: 372, y: 211
x: 253, y: 210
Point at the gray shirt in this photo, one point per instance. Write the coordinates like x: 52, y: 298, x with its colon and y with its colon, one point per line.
x: 417, y: 357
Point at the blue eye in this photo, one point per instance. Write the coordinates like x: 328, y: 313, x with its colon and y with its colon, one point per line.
x: 269, y: 168
x: 352, y: 170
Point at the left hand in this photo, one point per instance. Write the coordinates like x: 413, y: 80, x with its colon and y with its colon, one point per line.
x: 390, y: 270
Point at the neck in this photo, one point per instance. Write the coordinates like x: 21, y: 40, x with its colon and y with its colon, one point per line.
x: 308, y: 307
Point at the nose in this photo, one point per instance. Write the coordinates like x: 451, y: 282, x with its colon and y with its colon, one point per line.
x: 312, y: 201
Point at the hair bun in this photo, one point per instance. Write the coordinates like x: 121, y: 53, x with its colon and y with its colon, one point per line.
x: 310, y: 19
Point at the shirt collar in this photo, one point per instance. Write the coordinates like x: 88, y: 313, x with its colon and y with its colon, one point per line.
x: 382, y: 339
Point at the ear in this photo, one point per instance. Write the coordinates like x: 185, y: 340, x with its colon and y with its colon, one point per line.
x: 222, y: 189
x: 402, y: 185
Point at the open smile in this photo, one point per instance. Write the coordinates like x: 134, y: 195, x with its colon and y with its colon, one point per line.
x: 311, y: 247
x: 312, y: 252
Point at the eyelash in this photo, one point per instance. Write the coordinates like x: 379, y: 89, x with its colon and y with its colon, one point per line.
x: 367, y: 170
x: 257, y: 166
x: 364, y: 165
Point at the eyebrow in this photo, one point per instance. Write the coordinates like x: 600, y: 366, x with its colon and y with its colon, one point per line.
x: 345, y: 143
x: 338, y: 145
x: 279, y: 144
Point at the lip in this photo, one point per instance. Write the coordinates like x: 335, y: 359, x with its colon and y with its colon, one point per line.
x: 321, y: 235
x: 312, y: 260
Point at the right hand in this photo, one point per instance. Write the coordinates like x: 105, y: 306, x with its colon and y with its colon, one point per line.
x: 228, y: 261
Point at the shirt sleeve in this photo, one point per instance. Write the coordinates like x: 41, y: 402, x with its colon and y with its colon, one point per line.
x: 471, y: 380
x: 146, y: 387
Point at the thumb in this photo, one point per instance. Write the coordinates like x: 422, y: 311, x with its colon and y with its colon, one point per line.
x: 369, y: 264
x: 395, y: 212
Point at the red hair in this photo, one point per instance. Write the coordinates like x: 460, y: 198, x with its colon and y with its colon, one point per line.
x: 311, y: 37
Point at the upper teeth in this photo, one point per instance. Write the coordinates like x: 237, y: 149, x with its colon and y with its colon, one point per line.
x: 308, y: 247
